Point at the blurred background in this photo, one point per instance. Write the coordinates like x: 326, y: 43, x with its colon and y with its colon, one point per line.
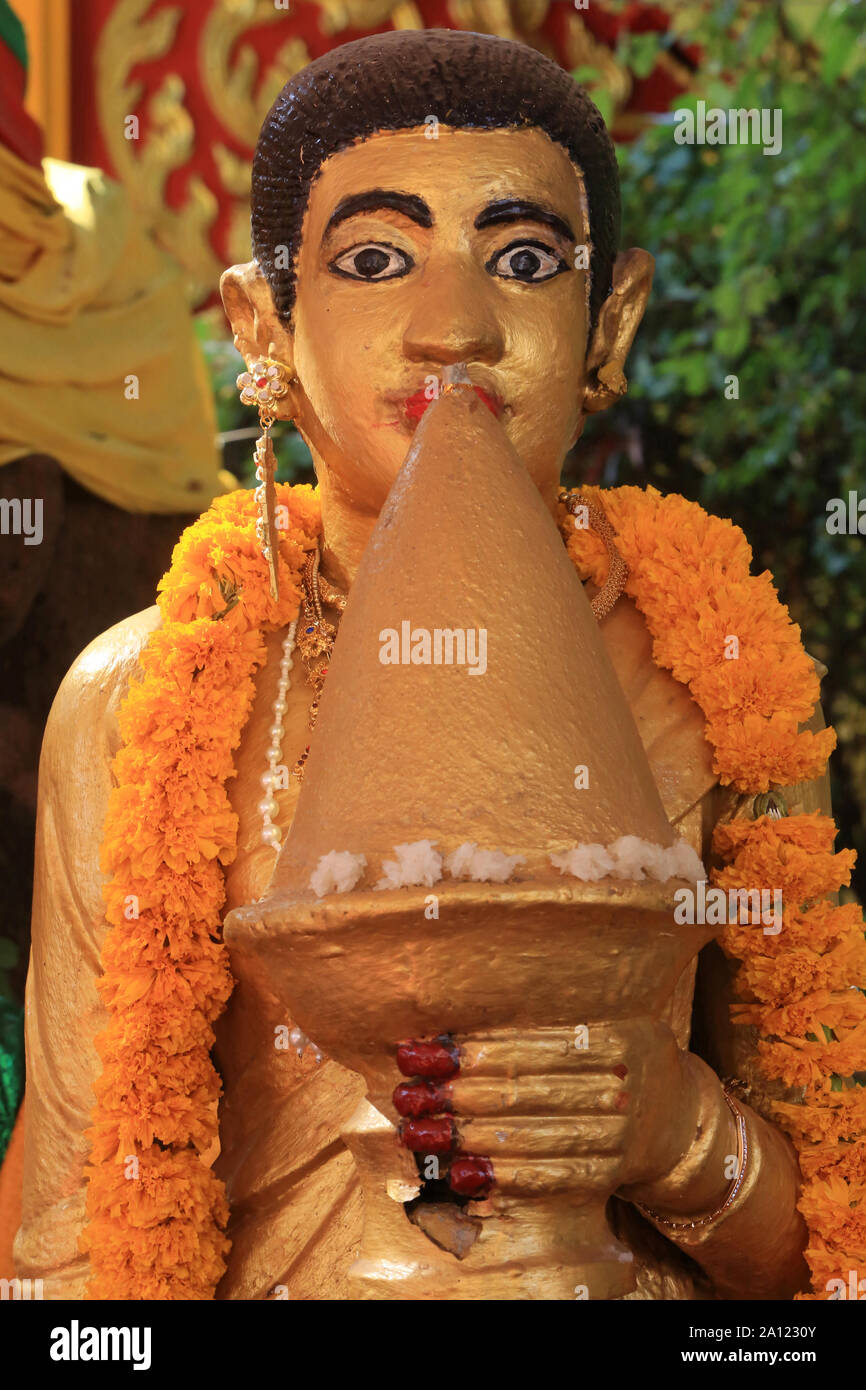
x: 126, y: 135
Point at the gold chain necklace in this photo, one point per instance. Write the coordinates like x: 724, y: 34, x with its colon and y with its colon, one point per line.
x: 588, y: 515
x: 316, y: 637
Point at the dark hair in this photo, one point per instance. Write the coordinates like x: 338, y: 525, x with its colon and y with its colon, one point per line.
x: 393, y: 81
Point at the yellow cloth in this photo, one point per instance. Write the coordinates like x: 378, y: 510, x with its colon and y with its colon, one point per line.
x: 87, y: 301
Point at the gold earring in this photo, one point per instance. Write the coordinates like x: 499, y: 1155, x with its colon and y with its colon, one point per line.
x: 610, y: 384
x: 263, y: 384
x: 612, y: 377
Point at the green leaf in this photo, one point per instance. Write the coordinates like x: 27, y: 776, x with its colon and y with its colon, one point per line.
x: 836, y: 43
x: 729, y: 342
x: 639, y: 52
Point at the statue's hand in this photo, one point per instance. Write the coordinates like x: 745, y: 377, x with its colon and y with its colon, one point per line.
x: 630, y: 1091
x: 636, y: 1075
x: 618, y: 1099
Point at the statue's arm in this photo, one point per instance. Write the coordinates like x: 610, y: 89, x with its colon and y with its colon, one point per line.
x: 63, y: 1010
x: 754, y: 1250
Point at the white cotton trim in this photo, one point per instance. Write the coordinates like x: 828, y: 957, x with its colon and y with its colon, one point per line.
x: 684, y: 862
x: 337, y: 872
x: 588, y: 862
x: 482, y: 865
x: 631, y: 858
x: 415, y: 863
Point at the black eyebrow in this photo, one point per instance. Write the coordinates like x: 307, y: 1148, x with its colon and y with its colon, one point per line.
x: 518, y: 210
x: 375, y: 198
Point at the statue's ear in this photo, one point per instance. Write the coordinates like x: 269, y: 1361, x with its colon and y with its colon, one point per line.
x: 249, y: 308
x: 617, y: 325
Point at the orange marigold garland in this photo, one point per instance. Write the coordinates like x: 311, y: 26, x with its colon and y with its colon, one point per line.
x: 156, y: 1211
x: 796, y: 989
x: 689, y: 574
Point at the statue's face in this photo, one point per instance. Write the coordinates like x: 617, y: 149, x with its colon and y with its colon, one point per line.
x: 418, y: 253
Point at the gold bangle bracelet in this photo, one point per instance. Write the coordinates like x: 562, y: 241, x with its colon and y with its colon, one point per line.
x: 742, y: 1161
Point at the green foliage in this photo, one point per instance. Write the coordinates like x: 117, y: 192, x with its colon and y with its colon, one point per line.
x: 11, y: 1045
x: 761, y: 275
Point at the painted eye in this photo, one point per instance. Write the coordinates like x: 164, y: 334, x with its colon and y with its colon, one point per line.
x: 375, y: 260
x: 529, y: 261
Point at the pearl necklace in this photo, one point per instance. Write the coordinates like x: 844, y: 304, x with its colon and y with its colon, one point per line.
x: 271, y: 833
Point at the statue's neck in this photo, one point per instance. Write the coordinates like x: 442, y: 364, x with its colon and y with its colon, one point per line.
x: 345, y: 532
x: 346, y: 529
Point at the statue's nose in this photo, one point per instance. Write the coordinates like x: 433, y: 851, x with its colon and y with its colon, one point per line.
x: 453, y: 318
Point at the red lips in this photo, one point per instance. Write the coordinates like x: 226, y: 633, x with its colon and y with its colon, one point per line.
x: 417, y: 403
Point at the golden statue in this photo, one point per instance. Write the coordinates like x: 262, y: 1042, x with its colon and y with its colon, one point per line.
x: 456, y: 1060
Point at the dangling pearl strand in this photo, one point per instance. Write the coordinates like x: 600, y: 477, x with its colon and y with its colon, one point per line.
x: 300, y: 1042
x: 271, y: 833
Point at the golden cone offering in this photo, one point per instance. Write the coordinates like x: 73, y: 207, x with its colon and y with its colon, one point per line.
x: 409, y: 749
